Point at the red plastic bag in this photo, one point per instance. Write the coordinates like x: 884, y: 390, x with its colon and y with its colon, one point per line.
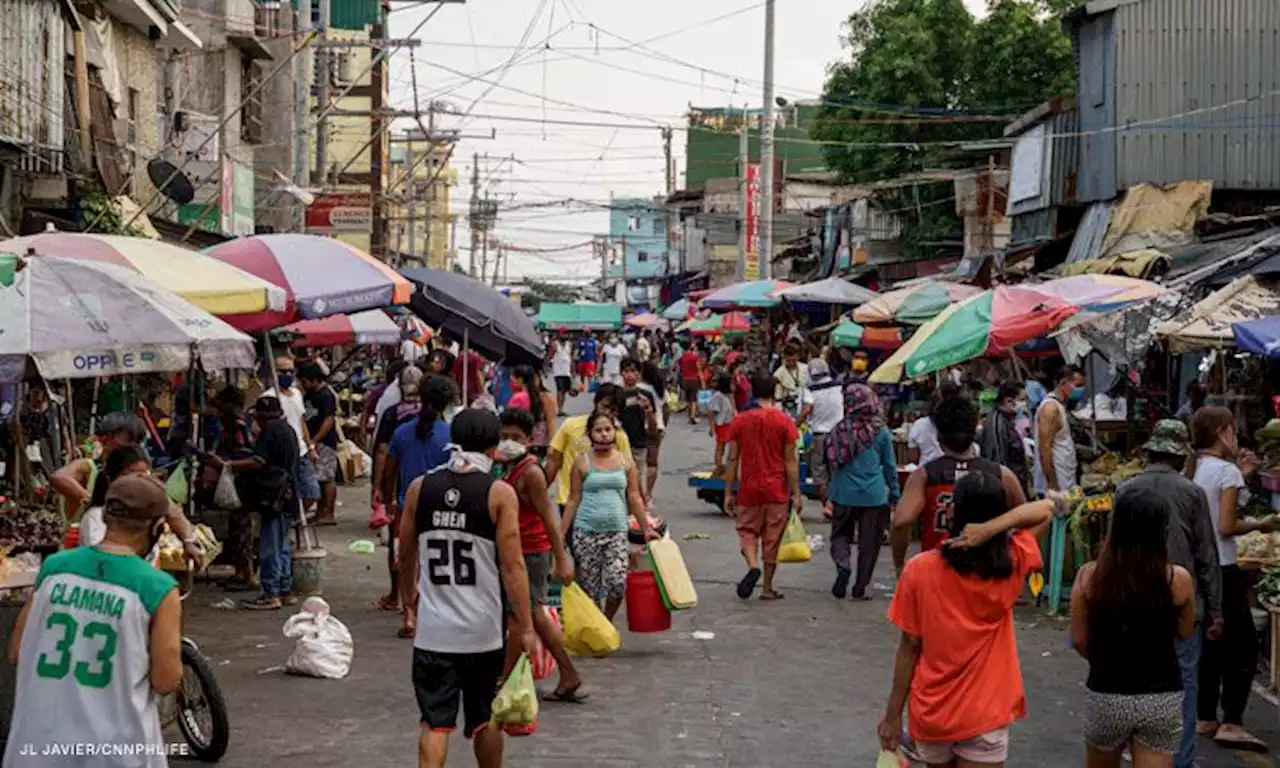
x: 544, y: 664
x: 378, y: 517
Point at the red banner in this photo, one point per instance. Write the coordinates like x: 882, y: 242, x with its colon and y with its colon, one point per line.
x: 751, y: 269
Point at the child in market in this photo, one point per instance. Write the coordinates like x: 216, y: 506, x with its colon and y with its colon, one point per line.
x: 721, y: 412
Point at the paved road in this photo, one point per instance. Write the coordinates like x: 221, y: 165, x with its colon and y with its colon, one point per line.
x: 799, y: 682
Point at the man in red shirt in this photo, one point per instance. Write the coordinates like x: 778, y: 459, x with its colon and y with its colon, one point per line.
x: 763, y: 442
x: 690, y: 371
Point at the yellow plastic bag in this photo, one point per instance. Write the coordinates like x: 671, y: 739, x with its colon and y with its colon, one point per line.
x: 517, y: 699
x: 795, y: 547
x: 586, y: 630
x: 890, y: 760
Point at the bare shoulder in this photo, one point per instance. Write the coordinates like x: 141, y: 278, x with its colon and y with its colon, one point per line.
x: 1085, y: 575
x: 1184, y: 585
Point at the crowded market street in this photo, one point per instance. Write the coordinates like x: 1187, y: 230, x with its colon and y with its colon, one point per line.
x: 797, y: 682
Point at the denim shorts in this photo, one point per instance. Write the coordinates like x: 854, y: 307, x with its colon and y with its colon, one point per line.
x: 308, y: 483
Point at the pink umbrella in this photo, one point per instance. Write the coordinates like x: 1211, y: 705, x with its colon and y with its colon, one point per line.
x: 646, y: 320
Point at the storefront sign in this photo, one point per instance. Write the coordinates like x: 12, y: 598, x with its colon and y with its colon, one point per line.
x: 751, y: 265
x: 341, y: 212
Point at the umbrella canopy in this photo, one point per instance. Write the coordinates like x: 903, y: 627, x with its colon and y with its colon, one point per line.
x: 987, y: 324
x: 493, y: 322
x: 213, y: 286
x: 321, y: 276
x: 749, y: 295
x: 1099, y: 293
x: 369, y: 327
x: 914, y: 305
x: 677, y: 311
x: 646, y: 320
x: 853, y: 335
x: 82, y: 319
x: 833, y: 290
x: 582, y: 316
x: 715, y: 325
x: 1261, y: 336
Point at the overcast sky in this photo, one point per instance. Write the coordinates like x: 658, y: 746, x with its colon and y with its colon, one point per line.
x: 579, y: 63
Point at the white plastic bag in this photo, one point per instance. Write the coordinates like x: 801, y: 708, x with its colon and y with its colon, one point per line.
x: 324, y: 647
x: 225, y: 495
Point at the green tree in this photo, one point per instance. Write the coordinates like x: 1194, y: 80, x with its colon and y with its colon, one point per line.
x: 922, y: 77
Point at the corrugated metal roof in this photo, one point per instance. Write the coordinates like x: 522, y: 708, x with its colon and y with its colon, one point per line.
x: 1087, y: 243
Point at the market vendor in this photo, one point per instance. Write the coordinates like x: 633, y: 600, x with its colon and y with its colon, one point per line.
x: 83, y: 482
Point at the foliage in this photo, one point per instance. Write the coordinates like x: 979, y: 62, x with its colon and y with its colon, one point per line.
x: 100, y: 211
x: 551, y: 292
x: 918, y: 73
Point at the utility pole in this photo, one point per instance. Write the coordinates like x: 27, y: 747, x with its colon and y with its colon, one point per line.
x: 475, y: 212
x: 670, y: 171
x: 766, y: 151
x: 484, y: 243
x: 412, y: 198
x: 301, y: 113
x: 377, y: 133
x: 744, y: 193
x: 323, y: 56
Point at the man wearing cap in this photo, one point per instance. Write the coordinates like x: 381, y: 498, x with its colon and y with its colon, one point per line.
x: 1192, y: 545
x: 99, y: 639
x: 267, y: 482
x: 822, y: 410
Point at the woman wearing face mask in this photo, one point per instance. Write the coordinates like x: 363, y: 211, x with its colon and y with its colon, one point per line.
x: 614, y: 352
x: 1226, y: 663
x: 531, y: 396
x: 604, y: 486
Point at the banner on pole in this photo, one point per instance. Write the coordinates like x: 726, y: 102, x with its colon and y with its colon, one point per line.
x: 751, y: 265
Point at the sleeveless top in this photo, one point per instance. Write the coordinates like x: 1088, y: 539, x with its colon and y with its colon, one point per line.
x: 941, y: 476
x: 1063, y: 450
x: 459, y: 584
x: 1134, y: 653
x: 533, y: 529
x: 604, y: 500
x: 86, y: 656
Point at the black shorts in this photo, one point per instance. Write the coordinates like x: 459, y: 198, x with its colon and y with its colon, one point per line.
x: 564, y: 383
x: 440, y: 678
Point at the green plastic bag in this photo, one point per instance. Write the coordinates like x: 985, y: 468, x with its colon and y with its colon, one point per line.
x: 517, y: 701
x: 795, y: 546
x: 177, y: 487
x: 362, y: 547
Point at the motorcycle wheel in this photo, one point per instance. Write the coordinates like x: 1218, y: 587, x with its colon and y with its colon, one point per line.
x: 202, y: 712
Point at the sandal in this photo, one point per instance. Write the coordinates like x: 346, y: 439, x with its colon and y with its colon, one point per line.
x: 261, y: 603
x: 748, y: 583
x: 388, y: 603
x: 406, y: 633
x: 567, y: 695
x: 1242, y: 741
x: 771, y: 595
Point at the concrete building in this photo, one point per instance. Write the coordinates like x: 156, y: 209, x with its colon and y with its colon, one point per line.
x: 421, y: 221
x: 642, y: 257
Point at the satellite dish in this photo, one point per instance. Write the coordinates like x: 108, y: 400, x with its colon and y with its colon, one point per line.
x: 171, y: 181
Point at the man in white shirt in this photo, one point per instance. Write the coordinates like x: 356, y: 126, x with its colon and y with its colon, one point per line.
x: 411, y: 350
x: 822, y: 410
x: 613, y: 355
x: 562, y: 367
x: 791, y: 380
x: 644, y: 348
x: 294, y: 407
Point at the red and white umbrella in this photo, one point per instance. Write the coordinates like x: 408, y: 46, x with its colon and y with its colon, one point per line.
x: 369, y: 327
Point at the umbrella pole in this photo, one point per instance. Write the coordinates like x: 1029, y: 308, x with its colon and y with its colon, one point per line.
x: 270, y: 362
x: 93, y: 407
x: 71, y: 417
x: 466, y: 358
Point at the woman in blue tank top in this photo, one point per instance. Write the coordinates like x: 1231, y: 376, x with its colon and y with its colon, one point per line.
x: 604, y: 488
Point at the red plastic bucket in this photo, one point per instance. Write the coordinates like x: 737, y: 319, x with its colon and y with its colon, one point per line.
x: 645, y: 611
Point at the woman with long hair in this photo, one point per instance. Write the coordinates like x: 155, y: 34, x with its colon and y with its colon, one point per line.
x: 1227, y: 662
x: 604, y: 487
x: 863, y: 473
x: 537, y: 400
x: 1127, y: 608
x: 957, y: 659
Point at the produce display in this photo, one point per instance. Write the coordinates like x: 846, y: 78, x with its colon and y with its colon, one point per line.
x: 174, y: 558
x: 30, y: 526
x: 1257, y: 545
x: 1268, y: 587
x: 1109, y: 471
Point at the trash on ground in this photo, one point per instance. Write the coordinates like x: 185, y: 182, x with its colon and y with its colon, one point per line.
x: 696, y: 536
x: 271, y: 670
x: 324, y: 647
x: 225, y: 604
x: 225, y: 663
x: 362, y: 547
x: 816, y: 542
x: 702, y: 635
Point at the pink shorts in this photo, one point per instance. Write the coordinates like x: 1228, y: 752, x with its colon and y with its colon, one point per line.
x: 765, y: 524
x: 989, y: 747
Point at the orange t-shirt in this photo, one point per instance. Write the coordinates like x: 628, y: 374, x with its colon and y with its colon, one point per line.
x: 967, y: 681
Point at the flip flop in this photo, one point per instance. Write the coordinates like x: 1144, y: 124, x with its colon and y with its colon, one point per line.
x: 567, y: 696
x: 405, y: 633
x: 748, y: 583
x: 771, y: 595
x: 386, y: 604
x: 1247, y: 742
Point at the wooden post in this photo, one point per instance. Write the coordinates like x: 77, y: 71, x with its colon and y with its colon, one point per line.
x: 82, y: 98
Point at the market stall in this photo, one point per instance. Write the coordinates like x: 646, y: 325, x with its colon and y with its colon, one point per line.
x: 580, y: 316
x: 915, y: 304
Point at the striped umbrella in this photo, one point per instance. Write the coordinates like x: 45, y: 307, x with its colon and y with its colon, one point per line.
x: 715, y: 325
x: 215, y: 287
x: 322, y: 276
x: 915, y: 304
x: 754, y: 294
x: 369, y: 327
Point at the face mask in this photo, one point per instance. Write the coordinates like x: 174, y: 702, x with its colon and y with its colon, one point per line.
x: 511, y: 450
x: 462, y: 461
x: 1020, y: 405
x: 1079, y: 393
x: 601, y: 447
x: 859, y: 365
x: 285, y: 380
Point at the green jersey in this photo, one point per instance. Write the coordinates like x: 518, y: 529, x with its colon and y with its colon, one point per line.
x: 83, y: 680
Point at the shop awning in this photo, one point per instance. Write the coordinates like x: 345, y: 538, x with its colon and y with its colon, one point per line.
x: 580, y: 317
x: 1207, y: 324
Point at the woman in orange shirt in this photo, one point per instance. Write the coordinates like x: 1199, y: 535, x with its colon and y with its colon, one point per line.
x: 958, y: 658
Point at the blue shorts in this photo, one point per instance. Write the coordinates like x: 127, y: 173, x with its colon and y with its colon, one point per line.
x: 308, y: 483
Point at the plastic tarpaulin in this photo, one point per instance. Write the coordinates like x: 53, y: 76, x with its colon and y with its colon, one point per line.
x: 1261, y: 337
x: 1208, y: 323
x: 580, y: 317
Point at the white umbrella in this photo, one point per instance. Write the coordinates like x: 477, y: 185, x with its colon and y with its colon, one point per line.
x: 833, y: 290
x: 81, y: 319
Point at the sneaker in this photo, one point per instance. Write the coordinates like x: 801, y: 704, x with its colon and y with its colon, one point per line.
x: 261, y: 603
x: 289, y: 599
x: 841, y: 587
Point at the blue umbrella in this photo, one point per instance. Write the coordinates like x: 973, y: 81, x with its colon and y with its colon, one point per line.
x: 1261, y: 336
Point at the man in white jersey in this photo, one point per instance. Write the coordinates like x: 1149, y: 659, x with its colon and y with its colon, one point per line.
x: 97, y: 642
x: 459, y: 549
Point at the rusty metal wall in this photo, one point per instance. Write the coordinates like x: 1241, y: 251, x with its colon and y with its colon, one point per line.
x: 1196, y: 92
x: 33, y: 47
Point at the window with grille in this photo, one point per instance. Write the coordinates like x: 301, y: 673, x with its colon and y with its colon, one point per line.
x: 251, y: 114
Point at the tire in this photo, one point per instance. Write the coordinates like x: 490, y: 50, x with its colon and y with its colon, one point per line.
x: 205, y: 747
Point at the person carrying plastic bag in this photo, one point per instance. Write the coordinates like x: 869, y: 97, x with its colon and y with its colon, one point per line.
x: 795, y: 545
x: 515, y: 708
x: 586, y: 630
